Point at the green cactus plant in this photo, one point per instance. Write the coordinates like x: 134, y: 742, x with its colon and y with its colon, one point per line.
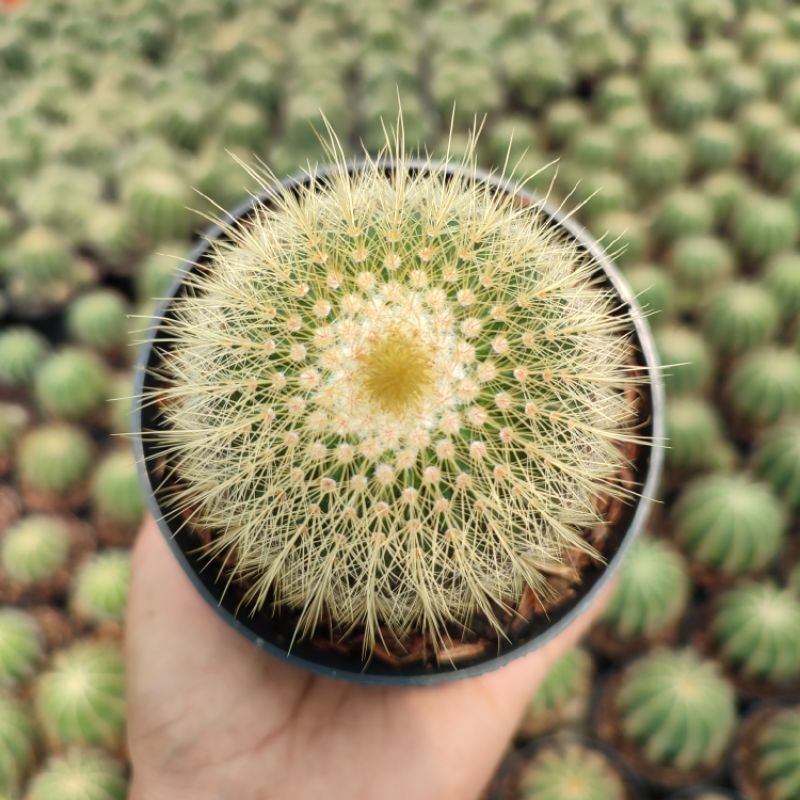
x: 71, y: 384
x: 764, y: 226
x: 688, y: 101
x: 782, y: 278
x: 654, y: 290
x: 99, y: 591
x: 676, y: 712
x: 729, y: 525
x: 776, y: 461
x: 651, y: 596
x: 773, y: 754
x: 714, y: 145
x: 760, y: 123
x: 346, y: 468
x: 34, y: 550
x: 755, y: 632
x: 111, y: 233
x: 657, y: 161
x: 79, y: 775
x: 159, y: 202
x: 693, y: 428
x: 780, y: 161
x: 17, y: 743
x: 22, y: 350
x: 570, y: 770
x: 563, y: 695
x: 666, y: 62
x: 699, y: 263
x: 618, y: 91
x: 740, y: 85
x: 740, y: 316
x: 13, y: 421
x: 623, y: 234
x: 80, y: 698
x: 563, y: 120
x: 96, y: 319
x: 764, y: 387
x: 157, y: 272
x: 686, y: 358
x: 683, y: 212
x: 725, y: 190
x: 21, y: 647
x: 53, y: 462
x: 116, y: 496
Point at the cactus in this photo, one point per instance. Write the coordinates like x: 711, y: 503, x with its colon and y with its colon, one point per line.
x: 99, y: 591
x: 676, y: 710
x: 71, y: 384
x: 570, y: 770
x: 718, y: 56
x: 54, y: 459
x: 111, y: 233
x: 725, y: 191
x: 776, y: 461
x: 764, y: 226
x: 687, y: 102
x: 22, y: 350
x: 628, y: 124
x: 156, y: 274
x: 562, y: 696
x: 657, y: 161
x: 651, y: 596
x: 80, y: 698
x: 17, y: 743
x: 623, y: 234
x: 775, y: 753
x: 159, y: 202
x: 564, y: 119
x: 740, y: 316
x: 781, y: 157
x: 782, y: 278
x: 693, y: 428
x: 683, y: 212
x: 698, y: 264
x: 593, y: 147
x: 686, y: 359
x: 739, y: 86
x: 654, y: 290
x: 714, y: 145
x: 34, y: 549
x: 79, y: 775
x: 779, y: 63
x: 667, y: 62
x: 244, y: 126
x: 13, y: 421
x: 597, y: 192
x: 97, y: 319
x: 21, y: 647
x: 116, y: 495
x: 618, y: 91
x: 755, y: 631
x: 765, y: 386
x: 184, y: 118
x: 729, y: 524
x: 415, y: 442
x: 760, y: 123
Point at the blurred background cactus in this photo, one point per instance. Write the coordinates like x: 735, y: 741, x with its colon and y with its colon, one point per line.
x: 677, y: 121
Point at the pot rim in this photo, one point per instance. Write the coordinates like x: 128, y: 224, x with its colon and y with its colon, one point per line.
x: 444, y: 672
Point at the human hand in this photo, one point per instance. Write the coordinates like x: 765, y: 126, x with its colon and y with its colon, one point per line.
x: 211, y: 717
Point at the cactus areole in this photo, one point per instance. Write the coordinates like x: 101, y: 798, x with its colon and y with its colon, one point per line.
x: 395, y: 419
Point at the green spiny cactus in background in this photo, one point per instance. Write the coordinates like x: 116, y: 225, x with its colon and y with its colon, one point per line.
x: 99, y: 590
x: 779, y: 62
x: 676, y: 710
x: 424, y: 311
x: 725, y: 190
x: 183, y: 118
x: 763, y: 226
x: 790, y: 100
x: 97, y: 319
x: 717, y: 56
x: 683, y: 212
x: 618, y: 91
x: 157, y: 272
x: 782, y: 278
x: 654, y: 290
x: 21, y: 647
x: 570, y: 771
x: 13, y: 421
x: 593, y: 148
x: 714, y: 145
x: 739, y: 86
x: 698, y: 264
x: 729, y: 524
x: 39, y: 255
x: 686, y: 358
x: 116, y: 494
x: 54, y: 459
x: 665, y: 63
x: 740, y: 316
x: 79, y: 775
x: 562, y: 696
x: 755, y: 631
x: 563, y: 120
x: 628, y: 124
x: 759, y: 25
x: 159, y: 201
x: 693, y: 428
x: 657, y: 161
x: 34, y: 549
x: 623, y: 234
x: 760, y: 123
x: 120, y: 402
x: 22, y: 350
x: 705, y: 17
x: 687, y: 102
x: 244, y: 126
x: 17, y: 743
x: 71, y: 384
x: 112, y: 234
x: 598, y: 192
x: 80, y: 698
x: 776, y: 755
x: 776, y: 461
x: 651, y: 596
x: 764, y: 387
x: 780, y: 160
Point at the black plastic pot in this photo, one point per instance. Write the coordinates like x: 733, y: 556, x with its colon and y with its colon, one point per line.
x: 541, y: 630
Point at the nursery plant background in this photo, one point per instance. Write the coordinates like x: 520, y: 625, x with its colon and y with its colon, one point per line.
x: 676, y: 121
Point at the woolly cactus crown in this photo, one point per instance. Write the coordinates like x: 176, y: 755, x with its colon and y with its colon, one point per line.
x: 395, y: 395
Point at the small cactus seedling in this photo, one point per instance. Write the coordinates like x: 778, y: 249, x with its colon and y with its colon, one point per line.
x: 99, y: 591
x: 739, y: 317
x: 699, y: 263
x: 650, y: 598
x: 781, y: 158
x: 158, y: 271
x: 765, y: 387
x: 13, y: 421
x: 763, y: 226
x: 782, y: 278
x: 729, y: 525
x: 159, y: 201
x: 79, y: 775
x: 97, y: 320
x: 17, y: 743
x: 53, y: 463
x: 80, y: 698
x: 22, y: 350
x: 21, y: 647
x: 714, y: 145
x: 34, y: 550
x: 571, y: 771
x: 675, y: 714
x: 687, y: 102
x: 394, y: 397
x: 777, y: 462
x: 755, y: 631
x: 760, y: 123
x: 683, y: 212
x: 687, y: 358
x: 693, y: 429
x: 71, y: 384
x: 654, y: 290
x: 769, y: 755
x: 563, y: 695
x: 117, y: 498
x: 657, y: 162
x: 739, y: 86
x: 726, y: 190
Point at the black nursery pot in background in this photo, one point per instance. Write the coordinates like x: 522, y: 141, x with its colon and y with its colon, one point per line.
x: 265, y: 629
